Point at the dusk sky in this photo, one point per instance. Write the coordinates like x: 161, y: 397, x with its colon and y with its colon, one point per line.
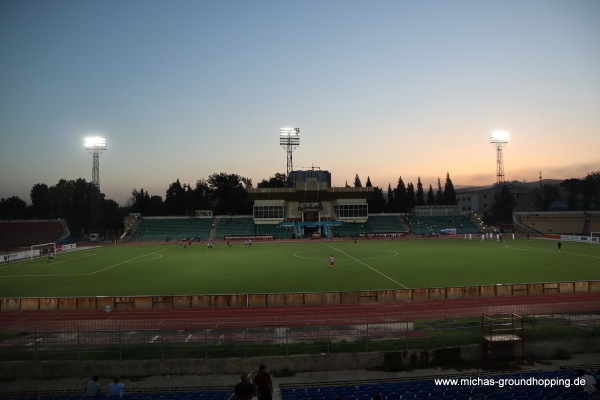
x: 184, y: 89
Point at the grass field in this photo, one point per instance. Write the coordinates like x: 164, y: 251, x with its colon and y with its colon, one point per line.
x: 168, y: 269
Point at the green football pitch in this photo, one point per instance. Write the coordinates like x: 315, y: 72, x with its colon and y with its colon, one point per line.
x: 271, y: 267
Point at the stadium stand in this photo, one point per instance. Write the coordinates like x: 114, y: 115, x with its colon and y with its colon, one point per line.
x: 28, y: 232
x: 275, y: 230
x: 593, y: 221
x: 567, y: 222
x: 386, y: 224
x: 172, y: 228
x: 348, y: 230
x: 517, y: 385
x: 148, y: 394
x: 428, y: 389
x: 233, y: 226
x: 431, y: 225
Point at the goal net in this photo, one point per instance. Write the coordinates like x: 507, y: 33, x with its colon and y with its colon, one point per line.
x: 42, y: 250
x: 595, y: 237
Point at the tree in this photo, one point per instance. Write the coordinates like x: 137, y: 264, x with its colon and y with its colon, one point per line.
x: 279, y: 180
x: 449, y: 193
x: 410, y: 197
x: 368, y: 184
x: 174, y: 199
x: 40, y: 201
x: 583, y: 194
x: 420, y: 195
x: 141, y: 202
x: 391, y: 205
x: 72, y: 201
x: 502, y: 209
x: 430, y: 197
x: 400, y: 196
x: 13, y: 208
x: 377, y: 202
x: 591, y: 190
x: 228, y: 194
x: 138, y: 202
x: 546, y: 196
x: 357, y: 182
x: 202, y: 195
x: 112, y: 214
x: 439, y: 195
x: 574, y: 191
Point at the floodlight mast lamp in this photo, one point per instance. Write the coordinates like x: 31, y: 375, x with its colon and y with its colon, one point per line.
x: 499, y: 139
x: 289, y: 138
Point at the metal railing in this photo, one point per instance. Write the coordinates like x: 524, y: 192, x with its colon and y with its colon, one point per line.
x: 270, y: 335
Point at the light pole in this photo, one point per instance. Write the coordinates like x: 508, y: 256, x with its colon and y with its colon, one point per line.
x: 499, y: 139
x: 289, y: 138
x: 95, y: 145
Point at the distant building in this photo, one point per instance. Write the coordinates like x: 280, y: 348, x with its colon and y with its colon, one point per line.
x: 305, y: 176
x: 480, y: 200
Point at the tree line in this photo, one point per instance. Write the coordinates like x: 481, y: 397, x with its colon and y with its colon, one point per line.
x: 227, y: 194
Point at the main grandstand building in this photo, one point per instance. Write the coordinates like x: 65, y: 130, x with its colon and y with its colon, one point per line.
x: 311, y: 205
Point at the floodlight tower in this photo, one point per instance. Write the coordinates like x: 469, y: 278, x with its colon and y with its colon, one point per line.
x: 499, y: 139
x: 289, y: 138
x: 95, y: 145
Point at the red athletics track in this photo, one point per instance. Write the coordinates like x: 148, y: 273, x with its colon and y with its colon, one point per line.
x: 317, y: 315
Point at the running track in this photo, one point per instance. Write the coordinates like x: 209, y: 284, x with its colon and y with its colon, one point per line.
x: 317, y: 315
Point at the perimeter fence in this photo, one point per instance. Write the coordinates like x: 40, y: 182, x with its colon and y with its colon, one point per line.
x: 217, y: 335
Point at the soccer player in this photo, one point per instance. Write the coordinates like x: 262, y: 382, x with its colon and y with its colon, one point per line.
x: 331, y: 262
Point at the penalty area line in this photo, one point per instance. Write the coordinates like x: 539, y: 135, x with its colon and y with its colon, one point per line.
x: 366, y: 265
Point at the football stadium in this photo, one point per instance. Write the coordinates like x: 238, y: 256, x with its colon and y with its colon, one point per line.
x: 310, y: 273
x: 296, y: 279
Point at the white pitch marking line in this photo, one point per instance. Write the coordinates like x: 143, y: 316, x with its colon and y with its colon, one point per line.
x: 366, y: 265
x: 126, y: 261
x: 91, y: 273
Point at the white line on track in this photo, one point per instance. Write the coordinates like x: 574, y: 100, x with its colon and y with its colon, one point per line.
x: 365, y: 264
x: 34, y: 342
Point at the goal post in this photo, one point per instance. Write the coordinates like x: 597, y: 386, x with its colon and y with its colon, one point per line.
x: 43, y: 249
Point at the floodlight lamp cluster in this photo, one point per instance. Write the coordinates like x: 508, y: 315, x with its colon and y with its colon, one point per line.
x: 499, y: 137
x: 289, y: 136
x: 95, y: 143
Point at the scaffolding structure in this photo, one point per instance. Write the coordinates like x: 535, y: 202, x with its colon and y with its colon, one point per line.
x: 502, y: 338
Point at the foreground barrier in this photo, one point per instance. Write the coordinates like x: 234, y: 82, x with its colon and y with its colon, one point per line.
x: 294, y: 299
